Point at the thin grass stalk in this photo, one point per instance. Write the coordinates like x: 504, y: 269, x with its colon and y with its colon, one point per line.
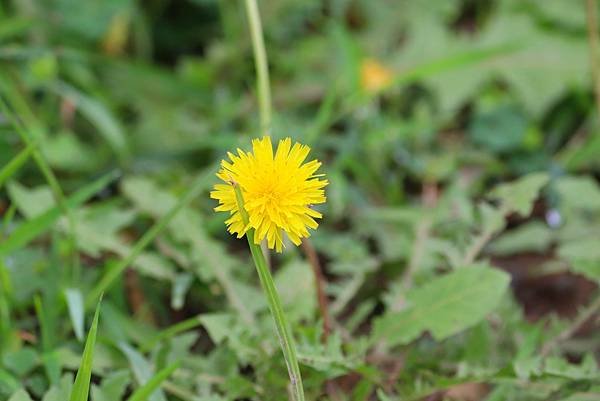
x: 262, y: 68
x: 15, y: 164
x: 286, y: 340
x: 5, y: 307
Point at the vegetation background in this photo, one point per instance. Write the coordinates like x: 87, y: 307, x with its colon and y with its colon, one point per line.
x: 458, y: 252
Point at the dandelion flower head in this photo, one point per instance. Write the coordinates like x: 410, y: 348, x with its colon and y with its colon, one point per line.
x: 278, y: 190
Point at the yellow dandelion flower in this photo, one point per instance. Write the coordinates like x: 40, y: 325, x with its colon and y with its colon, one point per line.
x: 374, y: 76
x: 278, y: 191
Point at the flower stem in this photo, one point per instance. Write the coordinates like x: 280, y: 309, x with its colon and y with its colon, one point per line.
x: 266, y: 280
x: 262, y: 68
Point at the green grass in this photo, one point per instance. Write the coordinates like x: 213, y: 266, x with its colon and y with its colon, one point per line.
x: 480, y: 155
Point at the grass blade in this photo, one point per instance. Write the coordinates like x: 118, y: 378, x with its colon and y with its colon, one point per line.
x: 144, y: 392
x: 81, y: 387
x: 16, y: 163
x: 29, y: 230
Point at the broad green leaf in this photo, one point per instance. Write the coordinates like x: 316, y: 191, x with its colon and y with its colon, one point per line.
x: 581, y: 249
x: 579, y: 192
x: 30, y: 229
x: 66, y: 151
x: 143, y: 393
x: 589, y: 268
x: 21, y: 361
x: 445, y: 306
x: 31, y: 202
x: 518, y: 196
x: 583, y: 255
x: 81, y: 387
x: 534, y: 236
x: 506, y: 119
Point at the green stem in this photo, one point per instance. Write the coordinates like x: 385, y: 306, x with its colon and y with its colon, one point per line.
x: 5, y: 316
x: 262, y: 68
x: 266, y: 280
x: 15, y: 163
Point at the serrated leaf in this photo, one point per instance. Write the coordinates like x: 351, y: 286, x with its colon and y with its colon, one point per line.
x: 445, y: 306
x: 518, y: 196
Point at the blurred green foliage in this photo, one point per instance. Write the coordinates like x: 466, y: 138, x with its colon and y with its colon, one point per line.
x: 482, y: 149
